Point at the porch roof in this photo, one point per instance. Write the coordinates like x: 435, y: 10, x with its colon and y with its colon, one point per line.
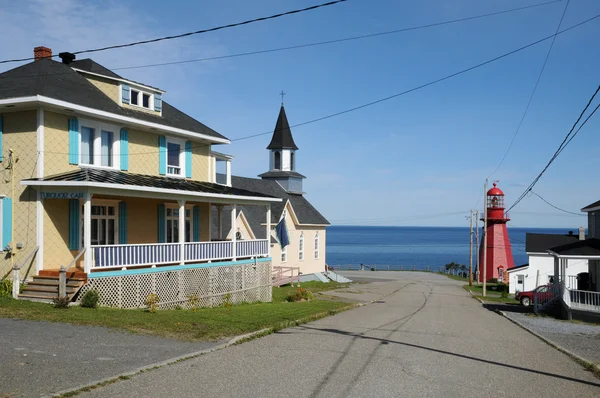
x: 589, y: 248
x: 124, y: 183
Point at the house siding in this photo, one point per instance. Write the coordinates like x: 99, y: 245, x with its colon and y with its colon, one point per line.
x: 56, y: 234
x: 19, y: 134
x: 544, y: 264
x: 108, y: 87
x: 56, y: 144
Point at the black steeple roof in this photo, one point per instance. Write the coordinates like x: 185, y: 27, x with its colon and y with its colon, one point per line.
x: 282, y: 136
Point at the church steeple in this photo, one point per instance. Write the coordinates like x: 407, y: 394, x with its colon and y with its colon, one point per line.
x: 282, y: 156
x: 282, y: 135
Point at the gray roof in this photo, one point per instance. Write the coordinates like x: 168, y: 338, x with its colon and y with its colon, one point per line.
x: 539, y: 243
x: 256, y: 215
x: 591, y: 206
x: 282, y: 135
x: 57, y: 80
x: 281, y: 174
x: 89, y: 65
x: 588, y: 247
x: 122, y: 178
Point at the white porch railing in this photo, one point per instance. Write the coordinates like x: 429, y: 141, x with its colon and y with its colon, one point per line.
x: 584, y: 300
x: 252, y: 248
x: 118, y: 256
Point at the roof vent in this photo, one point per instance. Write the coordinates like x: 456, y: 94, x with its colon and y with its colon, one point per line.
x: 67, y: 58
x: 42, y: 52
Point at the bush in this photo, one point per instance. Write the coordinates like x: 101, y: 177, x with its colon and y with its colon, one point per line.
x: 90, y: 299
x: 504, y: 294
x: 6, y: 288
x: 193, y: 302
x: 301, y: 295
x: 227, y: 301
x: 151, y: 302
x: 493, y: 280
x: 61, y: 302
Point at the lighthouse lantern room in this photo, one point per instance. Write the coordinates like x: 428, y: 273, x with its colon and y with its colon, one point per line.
x: 499, y: 252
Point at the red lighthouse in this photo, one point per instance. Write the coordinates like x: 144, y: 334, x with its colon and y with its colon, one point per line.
x: 499, y: 253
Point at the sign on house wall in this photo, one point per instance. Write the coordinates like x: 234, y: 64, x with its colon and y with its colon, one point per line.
x: 62, y: 195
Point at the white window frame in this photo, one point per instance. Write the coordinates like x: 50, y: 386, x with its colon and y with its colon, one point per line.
x: 284, y: 254
x: 317, y: 245
x: 176, y: 219
x: 301, y: 247
x: 97, y: 144
x: 181, y: 143
x: 141, y: 98
x: 104, y: 203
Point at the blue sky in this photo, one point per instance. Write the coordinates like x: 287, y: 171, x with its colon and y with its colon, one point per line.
x: 412, y: 160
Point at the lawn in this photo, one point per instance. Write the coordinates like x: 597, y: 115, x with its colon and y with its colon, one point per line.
x: 491, y: 294
x: 204, y: 324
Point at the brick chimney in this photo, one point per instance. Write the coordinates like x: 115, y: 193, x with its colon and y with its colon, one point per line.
x: 42, y: 52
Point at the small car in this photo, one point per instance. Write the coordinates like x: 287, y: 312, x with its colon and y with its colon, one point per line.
x: 543, y: 292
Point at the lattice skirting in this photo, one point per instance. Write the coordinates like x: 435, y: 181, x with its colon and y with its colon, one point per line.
x: 213, y: 286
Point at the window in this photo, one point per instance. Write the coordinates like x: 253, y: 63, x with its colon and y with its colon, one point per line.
x: 284, y: 255
x: 104, y: 224
x: 301, y: 247
x: 174, y: 161
x: 292, y: 161
x: 316, y: 245
x: 173, y: 225
x: 239, y: 236
x: 98, y: 143
x: 141, y: 99
x: 135, y: 97
x: 277, y: 165
x: 146, y: 100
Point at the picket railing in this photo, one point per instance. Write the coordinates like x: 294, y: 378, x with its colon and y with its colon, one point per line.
x: 204, y: 251
x: 583, y: 300
x: 252, y: 248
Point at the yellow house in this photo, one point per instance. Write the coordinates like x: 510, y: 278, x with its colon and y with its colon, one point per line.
x: 306, y: 227
x: 104, y: 177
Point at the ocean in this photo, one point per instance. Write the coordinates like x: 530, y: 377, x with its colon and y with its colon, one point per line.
x: 418, y: 247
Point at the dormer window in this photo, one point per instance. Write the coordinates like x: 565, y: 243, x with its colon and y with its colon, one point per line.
x: 140, y: 98
x: 136, y: 96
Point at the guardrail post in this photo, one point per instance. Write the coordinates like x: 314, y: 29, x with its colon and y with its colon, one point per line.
x: 16, y: 283
x: 62, y: 282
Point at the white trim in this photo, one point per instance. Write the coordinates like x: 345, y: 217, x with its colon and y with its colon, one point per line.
x: 220, y: 155
x: 40, y: 142
x: 87, y: 229
x: 98, y: 127
x: 136, y: 188
x: 150, y: 100
x: 129, y: 82
x: 182, y: 160
x: 40, y: 99
x: 39, y: 209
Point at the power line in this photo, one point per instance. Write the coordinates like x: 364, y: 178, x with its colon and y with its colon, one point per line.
x: 193, y: 33
x: 398, y: 94
x: 314, y: 44
x: 556, y: 207
x: 533, y: 92
x: 568, y: 138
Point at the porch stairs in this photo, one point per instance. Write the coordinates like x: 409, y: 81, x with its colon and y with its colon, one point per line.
x: 337, y: 278
x: 44, y: 287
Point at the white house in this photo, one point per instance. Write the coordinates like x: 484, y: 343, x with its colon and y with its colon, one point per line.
x: 540, y: 269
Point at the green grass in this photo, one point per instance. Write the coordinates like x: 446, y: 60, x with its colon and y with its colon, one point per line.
x: 491, y: 295
x: 455, y: 277
x: 204, y: 324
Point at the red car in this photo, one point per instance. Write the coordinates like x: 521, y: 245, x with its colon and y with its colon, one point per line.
x: 543, y: 292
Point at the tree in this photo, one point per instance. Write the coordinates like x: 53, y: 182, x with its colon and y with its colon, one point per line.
x: 463, y: 269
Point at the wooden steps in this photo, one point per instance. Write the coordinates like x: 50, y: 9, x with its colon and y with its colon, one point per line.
x: 45, y: 287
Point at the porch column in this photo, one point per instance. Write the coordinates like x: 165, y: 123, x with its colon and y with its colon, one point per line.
x: 228, y: 172
x: 234, y: 231
x: 181, y: 232
x: 556, y: 267
x: 220, y: 221
x: 268, y: 236
x: 87, y: 232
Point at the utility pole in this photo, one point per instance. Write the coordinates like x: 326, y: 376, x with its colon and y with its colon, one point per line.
x: 477, y: 244
x: 471, y: 250
x: 485, y: 238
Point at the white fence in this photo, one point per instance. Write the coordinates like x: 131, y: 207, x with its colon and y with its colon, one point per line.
x: 583, y: 300
x: 207, y: 286
x: 119, y: 256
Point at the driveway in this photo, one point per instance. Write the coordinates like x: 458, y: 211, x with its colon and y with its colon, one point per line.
x: 425, y: 336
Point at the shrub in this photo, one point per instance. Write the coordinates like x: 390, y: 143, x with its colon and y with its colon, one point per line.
x: 504, y: 294
x: 6, y: 288
x: 301, y: 295
x: 61, y: 302
x: 151, y: 302
x: 193, y: 301
x: 90, y: 299
x: 493, y: 280
x: 227, y: 301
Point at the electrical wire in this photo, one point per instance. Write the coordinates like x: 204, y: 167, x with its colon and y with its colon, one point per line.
x: 197, y: 32
x: 556, y: 207
x: 568, y: 138
x: 533, y: 92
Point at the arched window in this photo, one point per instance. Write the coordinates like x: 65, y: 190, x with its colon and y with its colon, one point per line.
x: 238, y: 235
x: 277, y: 160
x: 292, y: 161
x: 317, y: 245
x: 301, y: 247
x: 284, y: 254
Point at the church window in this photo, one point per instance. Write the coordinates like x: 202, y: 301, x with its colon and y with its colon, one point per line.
x: 317, y: 245
x: 292, y: 161
x: 301, y: 247
x: 277, y: 165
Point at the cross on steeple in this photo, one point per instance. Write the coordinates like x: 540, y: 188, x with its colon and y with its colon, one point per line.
x: 282, y: 94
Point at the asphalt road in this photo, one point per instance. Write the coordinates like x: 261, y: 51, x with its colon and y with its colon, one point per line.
x: 38, y: 358
x: 425, y: 337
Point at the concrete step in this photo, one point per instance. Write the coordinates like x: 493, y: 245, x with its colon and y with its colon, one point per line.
x: 321, y: 277
x: 338, y: 278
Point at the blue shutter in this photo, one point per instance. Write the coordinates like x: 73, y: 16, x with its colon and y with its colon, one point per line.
x: 188, y: 159
x: 162, y: 155
x: 0, y: 138
x: 161, y: 224
x: 73, y: 141
x: 196, y: 223
x: 158, y: 102
x: 74, y: 220
x: 125, y: 92
x: 6, y: 221
x: 122, y: 223
x: 124, y: 150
